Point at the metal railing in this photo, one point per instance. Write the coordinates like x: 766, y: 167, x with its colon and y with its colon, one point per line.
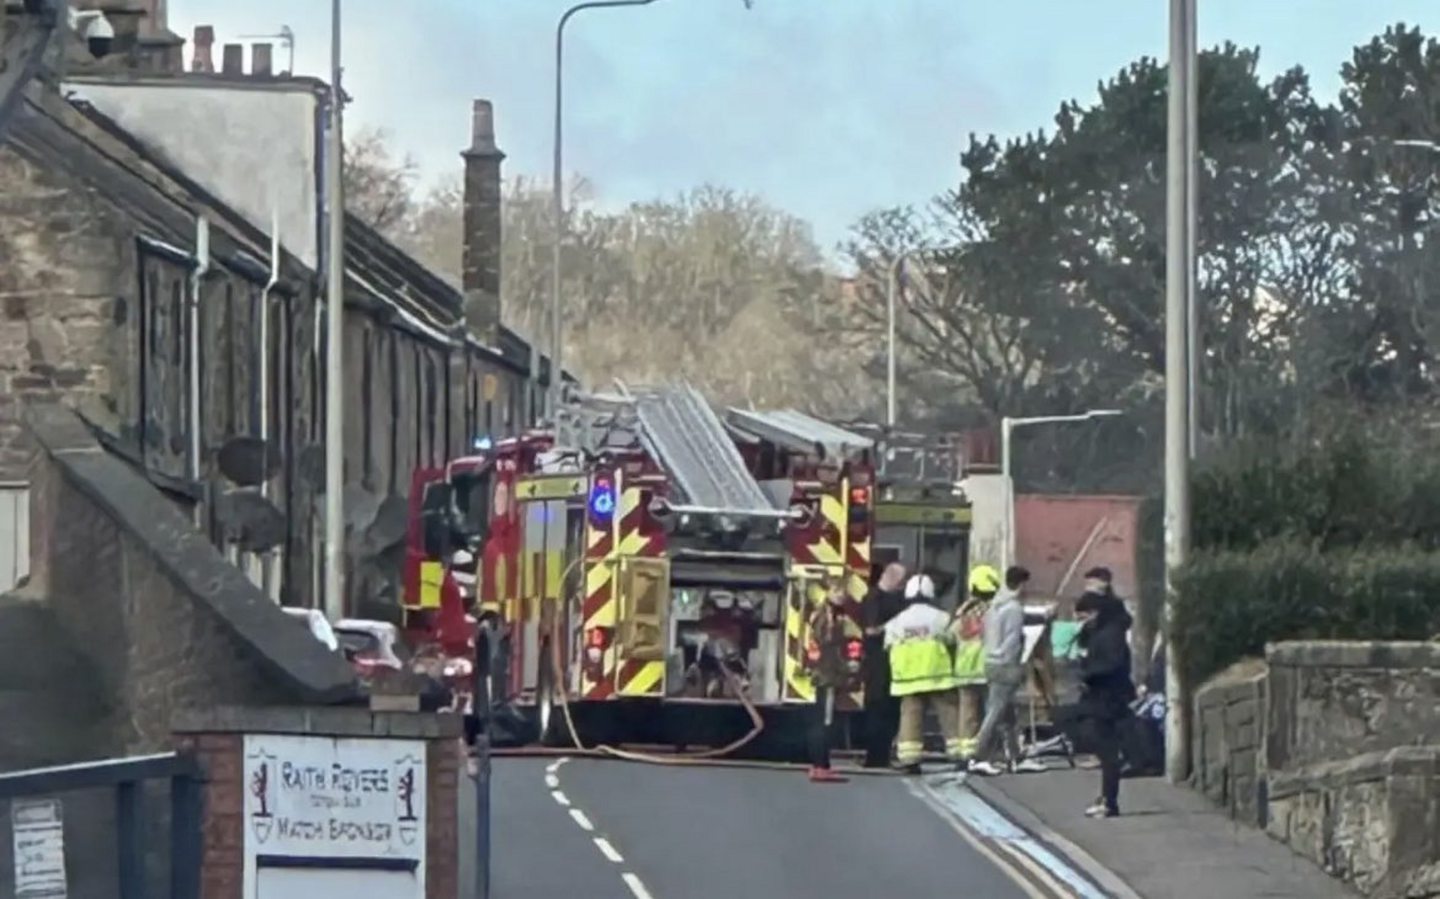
x: 128, y: 777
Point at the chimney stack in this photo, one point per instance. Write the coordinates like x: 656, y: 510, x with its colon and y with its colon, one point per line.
x: 261, y: 64
x: 232, y: 60
x: 203, y: 60
x: 480, y: 253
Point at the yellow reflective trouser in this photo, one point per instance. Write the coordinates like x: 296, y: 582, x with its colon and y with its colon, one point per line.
x: 911, y: 743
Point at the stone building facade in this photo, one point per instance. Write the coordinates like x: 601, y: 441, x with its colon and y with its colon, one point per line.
x: 116, y: 177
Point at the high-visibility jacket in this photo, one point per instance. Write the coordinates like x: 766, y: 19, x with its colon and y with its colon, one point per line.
x: 969, y: 643
x: 918, y: 641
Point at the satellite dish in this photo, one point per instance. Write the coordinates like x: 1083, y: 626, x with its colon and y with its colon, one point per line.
x: 248, y: 461
x: 250, y: 521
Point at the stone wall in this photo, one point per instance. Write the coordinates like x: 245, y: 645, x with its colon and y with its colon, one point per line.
x: 1334, y: 748
x: 166, y: 622
x: 1333, y: 700
x: 1226, y: 742
x: 1373, y: 820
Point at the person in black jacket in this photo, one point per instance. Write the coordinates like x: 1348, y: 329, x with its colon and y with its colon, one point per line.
x: 882, y: 711
x: 1108, y: 688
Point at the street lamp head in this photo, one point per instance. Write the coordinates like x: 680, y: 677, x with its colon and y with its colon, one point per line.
x: 1103, y: 413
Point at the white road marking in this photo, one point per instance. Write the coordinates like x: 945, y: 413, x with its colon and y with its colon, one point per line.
x: 636, y: 886
x: 552, y: 780
x: 607, y: 850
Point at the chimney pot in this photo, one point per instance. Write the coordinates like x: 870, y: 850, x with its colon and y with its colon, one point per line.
x: 204, y: 43
x: 233, y: 59
x: 482, y: 127
x: 261, y: 61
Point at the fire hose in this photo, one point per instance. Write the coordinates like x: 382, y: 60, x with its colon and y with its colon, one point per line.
x: 741, y: 691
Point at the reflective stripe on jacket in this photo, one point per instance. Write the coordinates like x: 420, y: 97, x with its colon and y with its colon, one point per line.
x: 919, y: 642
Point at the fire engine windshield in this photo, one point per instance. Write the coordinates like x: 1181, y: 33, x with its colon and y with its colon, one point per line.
x: 472, y: 503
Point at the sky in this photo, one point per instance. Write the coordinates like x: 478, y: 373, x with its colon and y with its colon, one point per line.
x: 826, y: 108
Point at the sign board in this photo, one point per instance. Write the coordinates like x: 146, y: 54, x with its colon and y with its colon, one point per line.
x: 922, y: 514
x: 309, y: 799
x: 39, y: 830
x: 553, y: 487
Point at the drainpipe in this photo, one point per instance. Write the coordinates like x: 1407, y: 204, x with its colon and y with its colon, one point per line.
x: 202, y: 267
x: 269, y: 569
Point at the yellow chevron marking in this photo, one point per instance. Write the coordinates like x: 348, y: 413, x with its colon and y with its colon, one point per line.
x: 646, y: 681
x: 629, y: 501
x: 826, y: 554
x: 597, y: 576
x: 862, y: 549
x: 632, y: 543
x: 604, y: 616
x: 798, y: 681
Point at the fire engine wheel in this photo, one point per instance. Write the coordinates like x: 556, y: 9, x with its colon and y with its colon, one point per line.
x: 549, y: 722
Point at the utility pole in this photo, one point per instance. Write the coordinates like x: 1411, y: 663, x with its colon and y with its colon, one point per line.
x: 1192, y: 167
x: 334, y: 601
x: 1179, y: 279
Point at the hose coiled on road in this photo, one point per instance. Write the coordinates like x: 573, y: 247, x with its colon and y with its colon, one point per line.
x: 688, y: 758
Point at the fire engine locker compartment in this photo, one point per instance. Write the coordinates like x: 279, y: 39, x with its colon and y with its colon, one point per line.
x: 725, y: 621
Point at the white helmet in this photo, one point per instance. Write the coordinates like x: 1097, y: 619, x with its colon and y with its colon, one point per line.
x: 920, y: 587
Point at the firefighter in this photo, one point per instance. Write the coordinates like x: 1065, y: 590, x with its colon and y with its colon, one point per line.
x: 922, y: 672
x: 970, y: 652
x: 882, y: 712
x: 830, y: 632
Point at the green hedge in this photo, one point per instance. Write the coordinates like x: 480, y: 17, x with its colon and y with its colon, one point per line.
x: 1231, y: 603
x: 1346, y: 482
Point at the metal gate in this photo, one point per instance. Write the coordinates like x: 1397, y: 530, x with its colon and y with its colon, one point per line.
x: 14, y: 533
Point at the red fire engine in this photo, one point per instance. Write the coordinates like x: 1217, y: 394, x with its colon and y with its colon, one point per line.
x: 641, y: 570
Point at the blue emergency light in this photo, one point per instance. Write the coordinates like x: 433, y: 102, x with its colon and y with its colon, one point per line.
x: 602, y: 500
x: 482, y: 444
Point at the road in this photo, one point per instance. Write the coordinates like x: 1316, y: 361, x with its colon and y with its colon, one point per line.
x: 613, y: 830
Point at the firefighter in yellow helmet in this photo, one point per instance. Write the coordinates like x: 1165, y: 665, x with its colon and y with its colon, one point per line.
x: 969, y: 628
x: 922, y: 672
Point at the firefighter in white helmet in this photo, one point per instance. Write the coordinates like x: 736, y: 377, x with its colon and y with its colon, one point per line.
x: 919, y: 642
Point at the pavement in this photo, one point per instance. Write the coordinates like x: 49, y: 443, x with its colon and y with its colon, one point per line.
x: 1169, y: 842
x: 614, y: 830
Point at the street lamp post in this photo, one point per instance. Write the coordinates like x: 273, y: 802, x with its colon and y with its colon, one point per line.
x: 558, y: 188
x: 1007, y: 428
x: 892, y: 290
x: 334, y: 604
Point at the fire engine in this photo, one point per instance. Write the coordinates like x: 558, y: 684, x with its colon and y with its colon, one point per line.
x: 922, y: 517
x: 635, y: 565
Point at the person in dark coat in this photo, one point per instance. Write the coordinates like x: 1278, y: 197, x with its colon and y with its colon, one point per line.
x: 1107, y: 688
x: 830, y: 633
x: 882, y: 711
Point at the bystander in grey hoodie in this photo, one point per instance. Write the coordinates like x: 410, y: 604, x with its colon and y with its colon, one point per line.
x: 1004, y: 634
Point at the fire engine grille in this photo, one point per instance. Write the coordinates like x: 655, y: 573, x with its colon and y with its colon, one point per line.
x: 688, y: 439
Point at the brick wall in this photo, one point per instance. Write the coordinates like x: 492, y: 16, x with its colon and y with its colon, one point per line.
x: 218, y: 737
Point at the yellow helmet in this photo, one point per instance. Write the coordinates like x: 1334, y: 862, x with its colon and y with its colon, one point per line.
x: 984, y: 579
